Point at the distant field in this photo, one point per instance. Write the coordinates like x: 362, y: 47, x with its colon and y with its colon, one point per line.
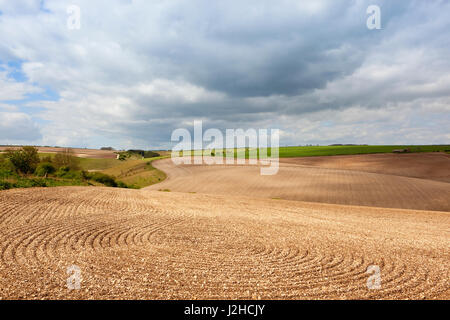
x: 395, y: 181
x: 286, y: 152
x: 311, y: 151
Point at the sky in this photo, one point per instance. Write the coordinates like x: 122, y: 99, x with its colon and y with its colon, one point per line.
x: 134, y: 71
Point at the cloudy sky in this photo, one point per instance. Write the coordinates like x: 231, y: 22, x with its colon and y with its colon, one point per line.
x: 136, y: 70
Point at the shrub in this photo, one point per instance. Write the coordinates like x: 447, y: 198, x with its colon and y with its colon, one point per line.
x: 74, y: 175
x: 151, y: 154
x: 138, y: 152
x: 5, y: 185
x: 86, y: 175
x: 25, y: 160
x: 6, y: 173
x: 67, y: 173
x: 104, y: 179
x: 62, y: 171
x: 121, y: 184
x: 44, y: 169
x: 66, y: 159
x: 6, y: 167
x: 46, y: 159
x: 38, y: 183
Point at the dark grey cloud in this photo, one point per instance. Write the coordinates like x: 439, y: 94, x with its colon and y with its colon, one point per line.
x: 136, y: 70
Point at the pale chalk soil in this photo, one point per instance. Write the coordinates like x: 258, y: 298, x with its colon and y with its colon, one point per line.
x: 404, y: 181
x: 143, y: 244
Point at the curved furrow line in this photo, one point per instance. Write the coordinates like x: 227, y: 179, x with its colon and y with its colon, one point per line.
x: 12, y: 240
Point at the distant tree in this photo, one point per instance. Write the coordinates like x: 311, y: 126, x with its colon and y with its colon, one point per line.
x: 123, y: 156
x: 6, y: 167
x: 44, y: 169
x: 67, y: 159
x: 107, y: 148
x: 151, y: 154
x: 25, y: 160
x: 138, y: 151
x: 46, y: 159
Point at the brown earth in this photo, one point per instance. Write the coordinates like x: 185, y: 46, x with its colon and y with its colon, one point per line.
x: 433, y: 165
x: 326, y: 180
x: 166, y: 245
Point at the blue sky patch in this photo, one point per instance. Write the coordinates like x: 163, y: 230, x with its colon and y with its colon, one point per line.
x: 17, y: 74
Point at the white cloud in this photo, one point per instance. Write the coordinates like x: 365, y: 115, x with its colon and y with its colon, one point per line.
x: 178, y: 92
x: 137, y: 69
x: 16, y: 127
x: 13, y: 90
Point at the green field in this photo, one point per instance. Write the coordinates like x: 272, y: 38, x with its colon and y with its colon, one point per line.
x: 310, y: 151
x: 286, y: 152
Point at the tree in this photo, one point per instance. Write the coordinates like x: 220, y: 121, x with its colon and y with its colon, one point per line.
x: 25, y: 160
x: 66, y: 159
x: 6, y: 167
x: 46, y: 159
x: 44, y: 169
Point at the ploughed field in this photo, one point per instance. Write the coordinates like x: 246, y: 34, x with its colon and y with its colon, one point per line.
x: 407, y: 181
x: 234, y: 242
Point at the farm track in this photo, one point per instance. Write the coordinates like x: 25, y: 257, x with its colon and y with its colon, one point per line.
x: 143, y: 244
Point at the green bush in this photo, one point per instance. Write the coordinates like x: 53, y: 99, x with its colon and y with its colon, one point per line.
x: 86, y: 175
x: 121, y: 184
x: 137, y: 152
x: 104, y: 179
x: 62, y: 171
x: 66, y: 158
x: 7, y: 169
x: 151, y: 154
x: 67, y: 173
x: 5, y: 185
x: 47, y: 159
x: 44, y: 169
x: 74, y: 175
x: 38, y: 182
x: 25, y: 160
